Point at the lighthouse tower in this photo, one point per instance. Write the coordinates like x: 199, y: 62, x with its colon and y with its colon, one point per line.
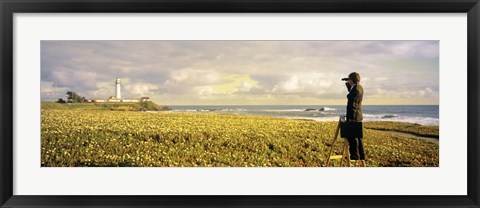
x: 118, y: 95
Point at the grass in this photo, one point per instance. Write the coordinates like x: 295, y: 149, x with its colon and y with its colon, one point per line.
x: 79, y: 137
x: 413, y: 128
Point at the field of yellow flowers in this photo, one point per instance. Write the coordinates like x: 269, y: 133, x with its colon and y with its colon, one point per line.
x: 73, y: 138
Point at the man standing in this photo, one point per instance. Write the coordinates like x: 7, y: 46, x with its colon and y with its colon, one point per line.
x: 354, y: 115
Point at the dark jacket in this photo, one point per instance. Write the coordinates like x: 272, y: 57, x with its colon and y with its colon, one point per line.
x: 354, y: 112
x: 354, y: 103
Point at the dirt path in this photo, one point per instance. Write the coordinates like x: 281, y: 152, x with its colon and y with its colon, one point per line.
x: 405, y: 134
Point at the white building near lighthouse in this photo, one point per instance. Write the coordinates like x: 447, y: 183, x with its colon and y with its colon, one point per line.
x: 118, y: 94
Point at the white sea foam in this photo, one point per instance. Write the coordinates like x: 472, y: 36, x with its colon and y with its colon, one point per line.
x: 302, y: 109
x: 234, y: 109
x: 408, y: 119
x: 209, y: 110
x: 186, y: 110
x: 413, y: 119
x: 284, y: 110
x: 329, y: 109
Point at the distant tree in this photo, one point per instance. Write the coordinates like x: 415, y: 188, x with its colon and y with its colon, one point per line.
x: 73, y: 97
x: 60, y: 100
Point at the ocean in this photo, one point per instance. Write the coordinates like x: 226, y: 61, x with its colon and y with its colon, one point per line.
x: 421, y: 114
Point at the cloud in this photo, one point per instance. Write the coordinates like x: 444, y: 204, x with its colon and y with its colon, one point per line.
x: 140, y: 89
x: 301, y: 84
x: 50, y: 91
x: 425, y: 92
x: 204, y: 91
x: 75, y: 79
x: 322, y: 86
x: 246, y: 86
x: 405, y: 93
x: 241, y: 72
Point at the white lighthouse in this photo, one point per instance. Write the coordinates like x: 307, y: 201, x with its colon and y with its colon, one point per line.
x: 118, y: 94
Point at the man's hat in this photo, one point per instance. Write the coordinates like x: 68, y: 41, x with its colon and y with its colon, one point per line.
x: 354, y: 76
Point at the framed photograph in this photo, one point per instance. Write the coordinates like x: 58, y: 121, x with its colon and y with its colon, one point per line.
x: 265, y: 103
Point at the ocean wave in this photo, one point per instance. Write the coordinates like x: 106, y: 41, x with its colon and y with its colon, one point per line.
x: 369, y: 117
x: 429, y: 121
x: 234, y: 109
x: 329, y: 109
x: 389, y: 116
x: 380, y: 116
x: 301, y: 109
x: 321, y: 109
x: 413, y: 119
x: 185, y: 110
x: 283, y: 110
x: 210, y: 109
x: 330, y: 118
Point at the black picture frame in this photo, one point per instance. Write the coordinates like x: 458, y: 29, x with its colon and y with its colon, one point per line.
x: 9, y: 7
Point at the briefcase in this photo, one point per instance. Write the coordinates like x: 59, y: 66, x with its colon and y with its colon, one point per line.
x: 351, y: 129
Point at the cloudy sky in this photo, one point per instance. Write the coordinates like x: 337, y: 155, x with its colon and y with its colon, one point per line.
x: 243, y: 72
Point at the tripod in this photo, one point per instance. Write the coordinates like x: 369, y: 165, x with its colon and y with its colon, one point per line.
x: 344, y: 150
